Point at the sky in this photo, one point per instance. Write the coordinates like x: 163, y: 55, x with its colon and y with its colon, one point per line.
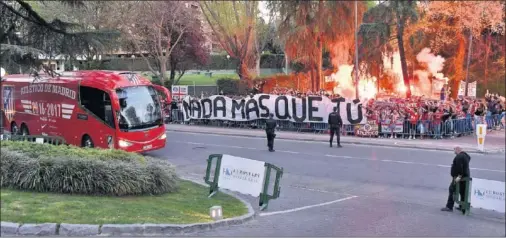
x: 262, y: 6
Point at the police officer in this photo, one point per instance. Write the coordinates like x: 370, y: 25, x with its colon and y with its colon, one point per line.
x: 459, y: 170
x: 335, y: 123
x: 270, y: 127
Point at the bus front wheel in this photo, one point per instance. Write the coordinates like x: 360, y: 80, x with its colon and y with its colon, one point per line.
x: 24, y: 130
x: 87, y: 142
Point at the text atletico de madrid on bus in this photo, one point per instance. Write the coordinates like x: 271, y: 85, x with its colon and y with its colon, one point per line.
x: 49, y: 88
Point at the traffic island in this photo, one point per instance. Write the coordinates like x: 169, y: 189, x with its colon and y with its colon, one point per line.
x: 31, y: 213
x: 62, y: 190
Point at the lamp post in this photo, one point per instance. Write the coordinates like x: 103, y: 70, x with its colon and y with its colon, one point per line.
x: 468, y: 62
x: 356, y: 50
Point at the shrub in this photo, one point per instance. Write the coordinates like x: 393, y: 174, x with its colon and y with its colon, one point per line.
x: 36, y: 150
x: 67, y: 169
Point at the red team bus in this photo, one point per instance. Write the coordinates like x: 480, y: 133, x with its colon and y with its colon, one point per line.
x: 101, y: 109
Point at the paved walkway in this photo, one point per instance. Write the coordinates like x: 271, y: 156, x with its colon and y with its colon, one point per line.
x: 494, y: 142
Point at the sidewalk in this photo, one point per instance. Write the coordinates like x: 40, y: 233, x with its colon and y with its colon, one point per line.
x: 494, y: 142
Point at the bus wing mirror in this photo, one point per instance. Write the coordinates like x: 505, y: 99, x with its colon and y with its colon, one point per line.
x: 122, y: 103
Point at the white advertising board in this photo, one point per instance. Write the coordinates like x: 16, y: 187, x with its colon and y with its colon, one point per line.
x: 179, y: 92
x: 487, y: 194
x: 471, y: 89
x: 241, y: 175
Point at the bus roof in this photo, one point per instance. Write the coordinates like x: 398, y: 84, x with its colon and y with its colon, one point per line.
x: 93, y: 78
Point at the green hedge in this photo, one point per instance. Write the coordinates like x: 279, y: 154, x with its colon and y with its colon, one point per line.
x: 216, y: 62
x: 73, y: 170
x: 231, y: 86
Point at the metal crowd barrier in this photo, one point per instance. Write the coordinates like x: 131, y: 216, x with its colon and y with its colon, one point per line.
x: 53, y: 140
x: 428, y: 129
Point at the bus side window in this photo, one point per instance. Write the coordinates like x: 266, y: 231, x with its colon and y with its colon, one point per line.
x: 97, y: 102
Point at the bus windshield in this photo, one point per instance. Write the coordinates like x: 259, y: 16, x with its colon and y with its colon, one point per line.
x: 140, y: 108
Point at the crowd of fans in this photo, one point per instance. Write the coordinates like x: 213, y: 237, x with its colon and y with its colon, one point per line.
x: 419, y: 117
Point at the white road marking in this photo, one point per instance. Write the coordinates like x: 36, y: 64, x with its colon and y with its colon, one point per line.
x: 318, y: 190
x: 324, y: 142
x: 438, y: 165
x: 338, y: 156
x: 490, y: 170
x: 305, y: 207
x: 289, y: 152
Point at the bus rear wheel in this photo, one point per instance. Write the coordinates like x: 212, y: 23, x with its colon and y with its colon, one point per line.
x: 24, y: 130
x: 87, y: 142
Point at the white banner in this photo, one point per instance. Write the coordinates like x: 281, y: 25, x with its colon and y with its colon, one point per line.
x: 310, y: 109
x: 487, y: 194
x: 241, y: 175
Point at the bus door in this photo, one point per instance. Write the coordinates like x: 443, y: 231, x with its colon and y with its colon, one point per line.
x: 98, y: 123
x: 7, y: 107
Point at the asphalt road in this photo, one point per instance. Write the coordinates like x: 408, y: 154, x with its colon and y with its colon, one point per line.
x: 350, y: 191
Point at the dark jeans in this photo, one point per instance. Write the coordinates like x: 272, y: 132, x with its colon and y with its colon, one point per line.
x: 335, y: 131
x: 270, y: 140
x: 462, y: 191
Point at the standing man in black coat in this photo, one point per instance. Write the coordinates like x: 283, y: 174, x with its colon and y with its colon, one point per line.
x: 459, y: 170
x: 335, y: 123
x: 270, y: 127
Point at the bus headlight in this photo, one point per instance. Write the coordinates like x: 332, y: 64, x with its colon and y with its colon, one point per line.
x: 123, y: 143
x: 163, y: 136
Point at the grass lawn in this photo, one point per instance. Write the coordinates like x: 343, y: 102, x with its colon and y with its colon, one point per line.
x: 189, y: 205
x: 201, y: 79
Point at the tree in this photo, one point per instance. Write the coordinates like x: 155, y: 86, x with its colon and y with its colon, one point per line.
x: 25, y: 35
x: 310, y: 27
x: 233, y: 23
x: 153, y: 29
x: 93, y: 16
x: 265, y: 32
x: 279, y: 40
x: 455, y: 20
x: 191, y: 50
x: 390, y: 18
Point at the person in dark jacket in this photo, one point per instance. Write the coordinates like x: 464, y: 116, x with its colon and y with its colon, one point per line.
x: 335, y: 123
x: 459, y: 170
x: 270, y: 127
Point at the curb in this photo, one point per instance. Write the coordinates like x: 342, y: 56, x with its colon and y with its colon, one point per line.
x: 472, y: 151
x: 63, y: 229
